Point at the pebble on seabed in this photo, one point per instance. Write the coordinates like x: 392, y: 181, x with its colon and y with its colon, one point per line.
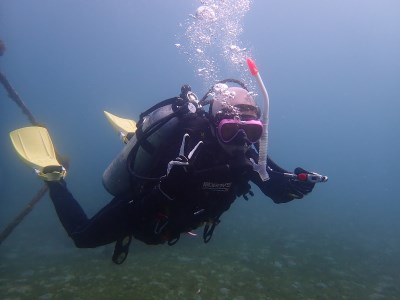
x: 224, y: 291
x: 47, y: 296
x: 277, y: 264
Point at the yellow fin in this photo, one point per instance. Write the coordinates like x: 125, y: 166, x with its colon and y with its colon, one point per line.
x: 34, y: 146
x: 124, y: 126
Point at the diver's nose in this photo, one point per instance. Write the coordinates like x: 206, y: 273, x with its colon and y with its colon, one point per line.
x: 240, y: 138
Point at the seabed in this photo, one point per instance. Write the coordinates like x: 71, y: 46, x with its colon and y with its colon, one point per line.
x: 273, y: 266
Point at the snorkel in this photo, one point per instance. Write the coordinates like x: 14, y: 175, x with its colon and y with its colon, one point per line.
x: 261, y: 166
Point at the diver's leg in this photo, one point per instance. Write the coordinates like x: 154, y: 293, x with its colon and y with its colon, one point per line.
x: 109, y: 224
x: 68, y: 209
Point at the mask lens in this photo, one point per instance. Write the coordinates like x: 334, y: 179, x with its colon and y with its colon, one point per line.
x: 253, y: 132
x: 228, y: 131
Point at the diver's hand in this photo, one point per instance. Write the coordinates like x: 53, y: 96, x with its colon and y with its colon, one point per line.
x: 179, y: 169
x: 181, y: 163
x: 284, y: 186
x: 178, y: 165
x: 302, y: 182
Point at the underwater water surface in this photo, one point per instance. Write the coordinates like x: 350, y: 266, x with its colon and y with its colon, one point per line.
x: 333, y: 75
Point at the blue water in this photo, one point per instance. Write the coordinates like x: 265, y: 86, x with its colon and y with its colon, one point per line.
x: 333, y: 76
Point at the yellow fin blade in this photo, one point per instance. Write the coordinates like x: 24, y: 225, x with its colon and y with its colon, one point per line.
x: 124, y: 126
x: 34, y: 146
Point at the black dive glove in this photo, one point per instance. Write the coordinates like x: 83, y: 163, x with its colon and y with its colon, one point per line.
x: 283, y: 187
x: 179, y: 171
x: 299, y: 188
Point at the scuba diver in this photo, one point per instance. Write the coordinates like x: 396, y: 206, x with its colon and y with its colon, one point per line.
x: 182, y: 167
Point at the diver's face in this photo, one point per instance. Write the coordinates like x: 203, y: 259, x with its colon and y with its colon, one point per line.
x: 234, y: 150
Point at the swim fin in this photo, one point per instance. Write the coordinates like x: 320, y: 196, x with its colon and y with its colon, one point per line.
x: 125, y: 127
x: 34, y: 146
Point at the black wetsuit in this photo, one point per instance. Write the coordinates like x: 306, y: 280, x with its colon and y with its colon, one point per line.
x: 182, y: 203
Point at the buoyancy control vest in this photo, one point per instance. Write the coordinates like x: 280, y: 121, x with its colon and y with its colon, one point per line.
x: 134, y: 163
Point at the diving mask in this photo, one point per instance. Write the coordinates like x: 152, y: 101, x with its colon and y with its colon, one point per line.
x: 229, y: 129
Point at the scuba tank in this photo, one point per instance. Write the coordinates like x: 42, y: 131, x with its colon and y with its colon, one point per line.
x: 138, y: 158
